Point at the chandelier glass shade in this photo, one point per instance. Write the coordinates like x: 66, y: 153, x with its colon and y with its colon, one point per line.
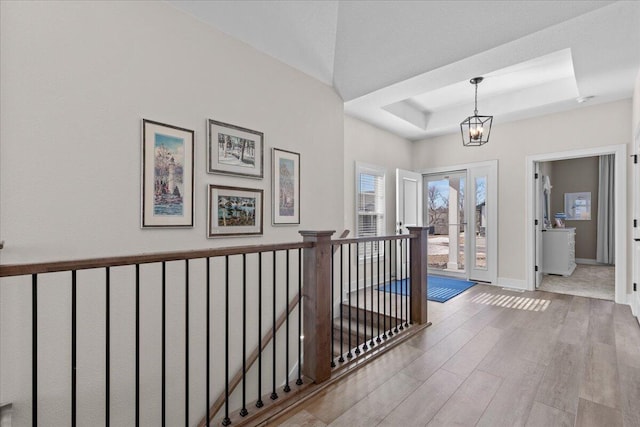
x: 476, y: 129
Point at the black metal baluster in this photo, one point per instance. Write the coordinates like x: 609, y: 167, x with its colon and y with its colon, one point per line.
x: 378, y: 340
x: 387, y: 256
x: 226, y: 421
x: 107, y: 347
x: 137, y: 345
x: 274, y: 395
x: 286, y: 388
x: 409, y: 301
x: 73, y: 346
x: 186, y: 344
x: 259, y: 402
x: 208, y: 344
x: 393, y: 267
x: 341, y: 359
x: 364, y: 296
x: 333, y: 362
x: 372, y: 342
x: 349, y: 354
x: 164, y: 343
x: 299, y: 380
x: 357, y: 299
x: 398, y: 287
x: 34, y: 349
x: 404, y: 283
x: 243, y: 411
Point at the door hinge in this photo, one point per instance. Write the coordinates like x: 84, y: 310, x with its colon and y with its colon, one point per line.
x: 635, y: 159
x: 536, y: 175
x: 635, y: 287
x: 635, y: 223
x: 536, y: 268
x: 536, y: 222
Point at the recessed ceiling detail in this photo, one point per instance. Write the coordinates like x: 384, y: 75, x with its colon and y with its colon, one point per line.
x: 506, y: 93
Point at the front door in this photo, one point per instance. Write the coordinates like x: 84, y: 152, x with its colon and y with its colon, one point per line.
x: 445, y: 215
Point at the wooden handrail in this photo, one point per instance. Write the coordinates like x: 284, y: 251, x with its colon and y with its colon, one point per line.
x: 372, y: 239
x: 83, y: 264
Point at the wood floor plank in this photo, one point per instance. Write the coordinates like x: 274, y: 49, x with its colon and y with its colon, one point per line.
x: 338, y: 398
x: 600, y: 376
x: 627, y: 336
x: 560, y: 385
x: 591, y: 414
x: 472, y: 353
x: 575, y: 328
x: 421, y: 406
x: 424, y: 366
x: 601, y: 325
x: 468, y: 403
x: 629, y: 395
x: 512, y: 402
x: 302, y: 419
x: 542, y: 415
x: 373, y: 408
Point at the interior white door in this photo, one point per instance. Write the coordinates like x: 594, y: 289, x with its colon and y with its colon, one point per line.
x: 408, y: 213
x: 538, y: 223
x: 408, y: 200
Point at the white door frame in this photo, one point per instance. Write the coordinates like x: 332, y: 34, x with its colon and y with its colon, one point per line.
x: 492, y: 197
x: 635, y: 245
x: 620, y: 151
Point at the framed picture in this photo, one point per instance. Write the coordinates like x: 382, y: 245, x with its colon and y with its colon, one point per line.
x: 233, y: 150
x: 167, y: 175
x: 234, y: 211
x: 285, y: 187
x: 577, y: 206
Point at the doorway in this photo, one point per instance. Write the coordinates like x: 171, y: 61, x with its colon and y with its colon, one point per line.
x: 460, y: 208
x: 535, y: 218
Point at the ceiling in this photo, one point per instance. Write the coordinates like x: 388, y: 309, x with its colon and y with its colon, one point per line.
x: 405, y: 66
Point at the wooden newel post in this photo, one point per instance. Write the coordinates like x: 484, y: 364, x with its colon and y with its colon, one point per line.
x: 316, y: 304
x: 419, y: 275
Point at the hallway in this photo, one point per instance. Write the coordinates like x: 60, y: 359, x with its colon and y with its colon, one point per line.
x: 496, y: 358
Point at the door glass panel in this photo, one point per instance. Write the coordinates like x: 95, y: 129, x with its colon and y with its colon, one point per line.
x: 481, y: 222
x: 446, y: 222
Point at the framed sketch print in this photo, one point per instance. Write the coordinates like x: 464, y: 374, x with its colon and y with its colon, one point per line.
x: 233, y: 150
x: 285, y: 187
x: 167, y: 175
x: 234, y: 211
x: 577, y: 206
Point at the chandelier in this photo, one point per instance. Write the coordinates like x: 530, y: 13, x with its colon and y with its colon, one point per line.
x: 476, y: 129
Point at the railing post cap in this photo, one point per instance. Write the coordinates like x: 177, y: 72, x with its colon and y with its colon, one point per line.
x: 311, y: 233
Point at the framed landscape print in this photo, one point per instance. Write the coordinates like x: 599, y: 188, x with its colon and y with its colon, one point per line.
x: 285, y: 187
x: 233, y: 150
x: 234, y: 211
x: 167, y: 175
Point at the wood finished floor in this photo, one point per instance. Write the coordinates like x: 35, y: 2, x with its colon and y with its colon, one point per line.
x: 497, y: 358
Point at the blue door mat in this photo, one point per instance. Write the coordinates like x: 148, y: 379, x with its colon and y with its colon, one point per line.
x: 440, y: 289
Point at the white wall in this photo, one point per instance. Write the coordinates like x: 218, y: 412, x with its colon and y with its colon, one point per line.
x: 591, y: 126
x: 76, y: 79
x: 368, y: 144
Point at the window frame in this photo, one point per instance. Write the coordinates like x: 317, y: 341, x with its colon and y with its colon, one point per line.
x: 381, y: 214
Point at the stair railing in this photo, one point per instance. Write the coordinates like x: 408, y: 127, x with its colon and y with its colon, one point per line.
x: 207, y: 292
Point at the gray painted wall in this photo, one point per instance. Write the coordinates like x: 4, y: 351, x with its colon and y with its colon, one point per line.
x: 573, y: 176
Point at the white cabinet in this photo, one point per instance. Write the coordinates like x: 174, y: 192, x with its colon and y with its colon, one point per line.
x: 559, y: 251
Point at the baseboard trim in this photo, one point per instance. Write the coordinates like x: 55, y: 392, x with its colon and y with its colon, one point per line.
x: 589, y: 261
x: 508, y: 282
